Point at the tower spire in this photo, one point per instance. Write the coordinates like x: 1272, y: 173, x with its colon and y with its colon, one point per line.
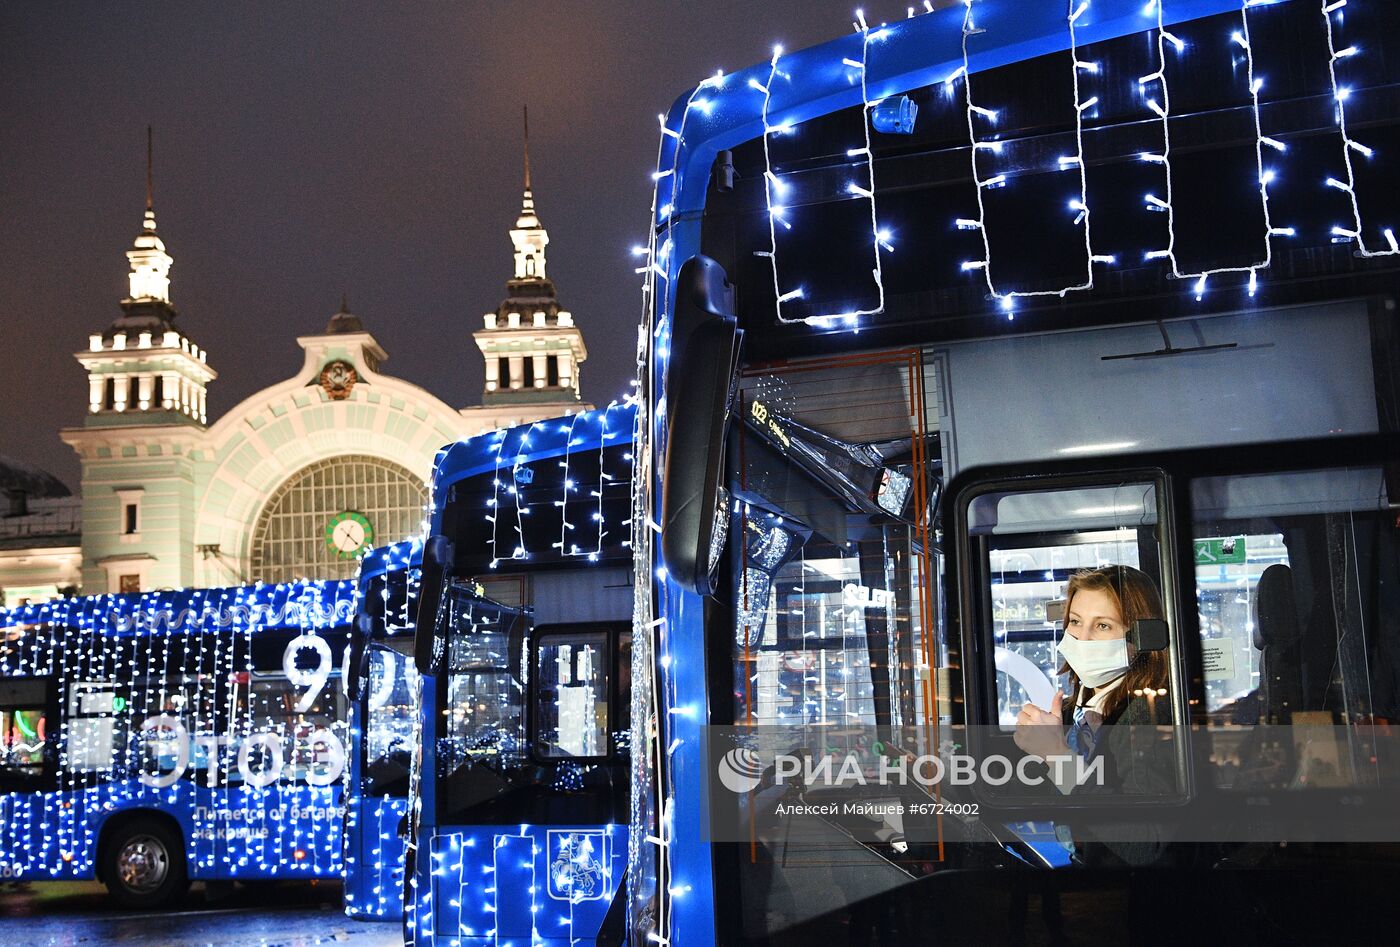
x: 150, y: 154
x: 150, y: 264
x: 527, y: 148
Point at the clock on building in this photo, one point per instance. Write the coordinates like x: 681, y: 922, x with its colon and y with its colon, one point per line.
x: 349, y: 533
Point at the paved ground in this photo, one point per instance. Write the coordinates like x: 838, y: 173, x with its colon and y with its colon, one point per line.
x: 269, y: 915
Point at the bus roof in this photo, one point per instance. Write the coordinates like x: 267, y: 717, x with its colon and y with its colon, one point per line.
x: 406, y: 554
x: 318, y: 604
x: 553, y: 437
x: 725, y: 111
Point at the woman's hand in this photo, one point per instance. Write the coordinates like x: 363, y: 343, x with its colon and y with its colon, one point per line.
x: 1042, y: 732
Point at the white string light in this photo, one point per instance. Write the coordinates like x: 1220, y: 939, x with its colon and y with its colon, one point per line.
x: 494, y: 504
x: 1350, y: 146
x: 1079, y: 206
x: 776, y: 189
x: 650, y: 647
x: 1264, y: 176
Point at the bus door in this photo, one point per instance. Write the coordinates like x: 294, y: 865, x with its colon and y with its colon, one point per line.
x: 383, y: 690
x: 825, y: 642
x: 527, y: 818
x: 386, y: 717
x: 580, y: 701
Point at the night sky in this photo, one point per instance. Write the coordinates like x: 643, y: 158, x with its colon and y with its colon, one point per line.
x: 309, y: 149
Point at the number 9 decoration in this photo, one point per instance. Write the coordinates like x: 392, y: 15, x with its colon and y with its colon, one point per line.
x: 313, y: 679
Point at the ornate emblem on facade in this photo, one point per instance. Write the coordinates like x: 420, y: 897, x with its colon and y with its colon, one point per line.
x: 338, y: 378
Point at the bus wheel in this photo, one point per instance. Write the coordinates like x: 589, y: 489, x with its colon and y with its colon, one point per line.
x: 145, y: 864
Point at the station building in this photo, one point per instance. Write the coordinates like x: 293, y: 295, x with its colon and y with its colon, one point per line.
x: 293, y: 482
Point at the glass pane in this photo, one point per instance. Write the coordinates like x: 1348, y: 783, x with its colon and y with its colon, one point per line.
x: 1297, y: 607
x: 1026, y: 583
x: 274, y: 704
x: 95, y: 722
x: 1036, y: 541
x: 22, y: 735
x: 572, y: 681
x: 831, y: 583
x: 294, y: 536
x: 834, y: 486
x: 484, y: 744
x: 389, y: 727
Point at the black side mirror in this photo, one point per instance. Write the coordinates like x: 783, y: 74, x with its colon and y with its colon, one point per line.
x: 705, y: 341
x: 359, y: 647
x: 427, y: 647
x: 1150, y: 634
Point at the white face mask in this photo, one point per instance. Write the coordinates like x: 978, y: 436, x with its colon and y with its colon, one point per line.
x: 1095, y: 662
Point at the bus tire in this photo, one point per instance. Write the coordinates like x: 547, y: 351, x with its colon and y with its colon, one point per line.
x: 144, y: 864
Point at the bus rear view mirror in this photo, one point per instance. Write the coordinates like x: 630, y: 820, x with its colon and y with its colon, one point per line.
x: 705, y: 341
x: 437, y: 560
x: 359, y: 647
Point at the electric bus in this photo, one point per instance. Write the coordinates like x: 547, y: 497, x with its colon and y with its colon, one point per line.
x: 383, y: 693
x: 519, y: 793
x: 940, y: 314
x: 152, y: 740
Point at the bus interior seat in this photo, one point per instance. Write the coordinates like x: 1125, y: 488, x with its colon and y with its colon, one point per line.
x: 1266, y: 757
x: 1277, y: 634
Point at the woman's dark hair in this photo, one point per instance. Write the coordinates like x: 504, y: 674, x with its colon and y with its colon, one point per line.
x: 1136, y: 597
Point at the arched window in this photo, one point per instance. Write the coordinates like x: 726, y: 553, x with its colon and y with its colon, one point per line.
x: 311, y: 525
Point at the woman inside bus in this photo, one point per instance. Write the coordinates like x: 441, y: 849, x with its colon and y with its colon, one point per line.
x: 1118, y: 696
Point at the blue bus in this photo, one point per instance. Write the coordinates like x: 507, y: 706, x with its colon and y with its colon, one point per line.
x: 384, y: 728
x: 945, y: 312
x: 152, y: 740
x: 524, y: 643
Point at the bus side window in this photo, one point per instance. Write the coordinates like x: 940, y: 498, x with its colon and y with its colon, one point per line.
x: 572, y: 693
x: 97, y: 726
x: 1029, y: 545
x: 277, y: 705
x: 24, y: 728
x: 1299, y: 618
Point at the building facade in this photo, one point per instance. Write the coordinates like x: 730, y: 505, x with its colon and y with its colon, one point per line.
x: 296, y: 480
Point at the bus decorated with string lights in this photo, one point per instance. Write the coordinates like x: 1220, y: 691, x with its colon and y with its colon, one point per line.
x: 155, y: 739
x: 384, y: 729
x: 520, y: 791
x: 954, y: 325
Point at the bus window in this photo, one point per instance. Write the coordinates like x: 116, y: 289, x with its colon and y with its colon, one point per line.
x: 1026, y: 545
x: 390, y: 719
x: 168, y: 712
x: 832, y: 483
x: 484, y: 746
x: 278, y: 705
x: 831, y: 622
x: 572, y: 686
x: 97, y: 726
x: 24, y: 728
x: 1299, y: 616
x: 1228, y: 574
